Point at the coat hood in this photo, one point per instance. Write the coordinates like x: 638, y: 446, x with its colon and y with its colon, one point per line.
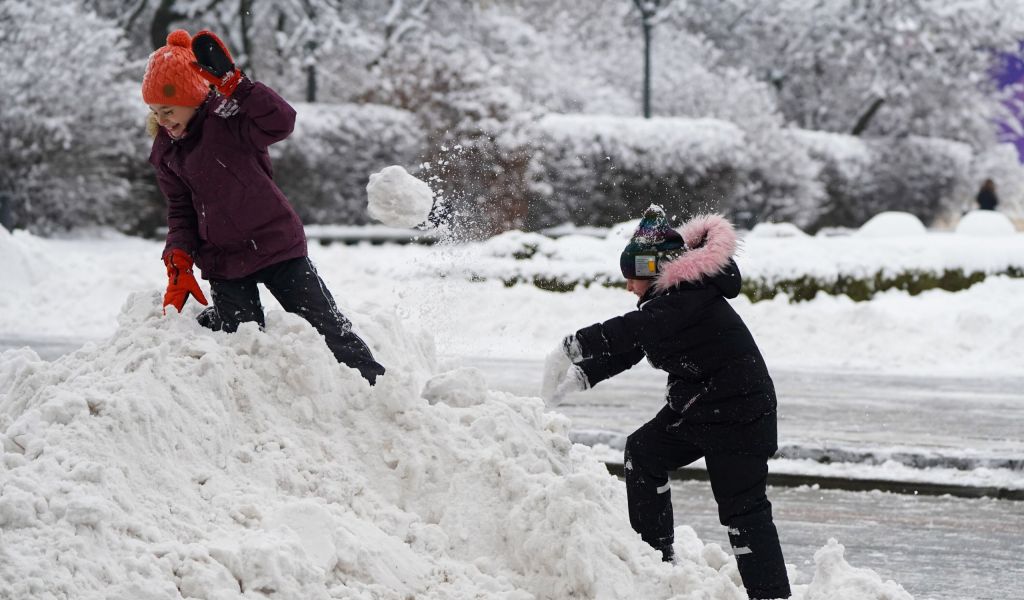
x: 710, y: 244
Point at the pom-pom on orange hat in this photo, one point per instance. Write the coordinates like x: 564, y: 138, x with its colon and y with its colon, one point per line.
x: 170, y: 78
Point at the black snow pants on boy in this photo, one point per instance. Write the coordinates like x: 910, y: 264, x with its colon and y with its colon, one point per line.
x: 738, y: 482
x: 297, y: 286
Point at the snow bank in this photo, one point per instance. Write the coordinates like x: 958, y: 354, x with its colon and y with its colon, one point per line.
x: 172, y: 461
x: 985, y: 223
x: 892, y: 224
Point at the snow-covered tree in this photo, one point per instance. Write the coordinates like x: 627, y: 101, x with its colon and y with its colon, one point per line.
x: 872, y: 67
x: 71, y: 121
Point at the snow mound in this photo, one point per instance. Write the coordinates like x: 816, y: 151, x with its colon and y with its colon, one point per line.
x: 892, y: 224
x: 835, y: 579
x: 21, y: 264
x: 985, y: 223
x: 776, y: 230
x: 398, y: 199
x: 171, y: 461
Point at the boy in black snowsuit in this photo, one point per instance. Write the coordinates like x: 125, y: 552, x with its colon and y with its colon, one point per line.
x: 720, y: 399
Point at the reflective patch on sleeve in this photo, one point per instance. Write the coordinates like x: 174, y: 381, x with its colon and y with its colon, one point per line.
x: 662, y: 489
x: 741, y: 551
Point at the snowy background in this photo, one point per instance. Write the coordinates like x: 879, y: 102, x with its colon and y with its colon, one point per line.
x: 146, y: 458
x: 527, y: 113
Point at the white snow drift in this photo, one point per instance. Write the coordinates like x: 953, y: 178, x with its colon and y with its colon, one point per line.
x: 170, y: 461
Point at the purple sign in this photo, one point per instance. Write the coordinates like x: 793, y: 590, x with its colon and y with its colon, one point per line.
x: 1010, y: 72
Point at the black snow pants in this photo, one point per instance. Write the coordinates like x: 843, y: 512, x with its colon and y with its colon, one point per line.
x: 738, y: 482
x: 297, y: 286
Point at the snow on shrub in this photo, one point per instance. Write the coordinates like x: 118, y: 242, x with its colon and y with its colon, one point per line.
x: 892, y: 224
x: 776, y: 230
x: 71, y: 121
x: 985, y: 223
x: 846, y: 173
x: 920, y: 175
x: 1002, y: 165
x: 928, y: 177
x: 324, y: 166
x: 599, y: 170
x: 925, y: 176
x: 892, y: 252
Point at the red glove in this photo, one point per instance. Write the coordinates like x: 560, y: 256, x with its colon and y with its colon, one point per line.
x: 180, y: 281
x: 214, y: 62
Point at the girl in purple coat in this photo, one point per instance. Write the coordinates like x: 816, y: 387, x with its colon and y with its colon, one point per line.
x: 224, y: 211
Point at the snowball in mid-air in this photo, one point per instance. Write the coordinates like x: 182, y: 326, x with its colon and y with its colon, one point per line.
x: 892, y: 224
x: 398, y: 199
x: 985, y: 223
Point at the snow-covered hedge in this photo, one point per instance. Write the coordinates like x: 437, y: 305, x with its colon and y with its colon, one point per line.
x: 798, y: 266
x: 927, y: 177
x: 324, y: 166
x: 599, y: 170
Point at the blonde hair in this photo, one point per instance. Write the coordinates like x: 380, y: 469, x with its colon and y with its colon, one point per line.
x: 152, y: 127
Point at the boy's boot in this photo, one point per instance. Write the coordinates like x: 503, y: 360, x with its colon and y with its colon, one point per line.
x: 668, y: 554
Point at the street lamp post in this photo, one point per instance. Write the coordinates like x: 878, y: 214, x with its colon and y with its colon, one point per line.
x: 310, y: 71
x: 648, y: 10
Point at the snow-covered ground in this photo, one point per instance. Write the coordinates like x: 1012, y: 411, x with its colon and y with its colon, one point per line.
x: 74, y: 289
x: 162, y: 460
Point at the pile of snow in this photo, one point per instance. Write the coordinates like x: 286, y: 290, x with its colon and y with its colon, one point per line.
x: 985, y: 223
x: 173, y: 461
x: 892, y: 224
x: 398, y: 199
x: 776, y: 230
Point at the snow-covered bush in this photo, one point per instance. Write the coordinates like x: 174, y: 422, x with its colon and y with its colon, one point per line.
x: 926, y: 177
x: 1002, y: 165
x: 882, y: 68
x: 922, y: 176
x: 599, y: 170
x: 985, y: 224
x: 324, y: 166
x: 71, y: 138
x: 891, y: 253
x: 847, y: 165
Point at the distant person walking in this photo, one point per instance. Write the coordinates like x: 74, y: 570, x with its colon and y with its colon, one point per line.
x: 986, y: 198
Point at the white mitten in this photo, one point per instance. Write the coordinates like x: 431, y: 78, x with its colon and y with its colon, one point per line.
x: 573, y: 380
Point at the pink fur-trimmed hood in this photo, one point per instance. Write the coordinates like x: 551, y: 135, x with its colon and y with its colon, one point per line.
x: 710, y: 242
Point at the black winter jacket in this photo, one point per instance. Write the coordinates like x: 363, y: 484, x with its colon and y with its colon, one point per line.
x: 684, y: 325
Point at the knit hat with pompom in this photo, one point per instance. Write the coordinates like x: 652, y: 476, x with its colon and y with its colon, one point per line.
x: 653, y: 244
x: 170, y: 78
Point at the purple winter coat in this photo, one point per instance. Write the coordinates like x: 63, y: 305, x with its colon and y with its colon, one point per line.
x: 223, y: 206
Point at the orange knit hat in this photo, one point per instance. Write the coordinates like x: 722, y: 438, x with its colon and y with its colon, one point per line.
x: 170, y: 77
